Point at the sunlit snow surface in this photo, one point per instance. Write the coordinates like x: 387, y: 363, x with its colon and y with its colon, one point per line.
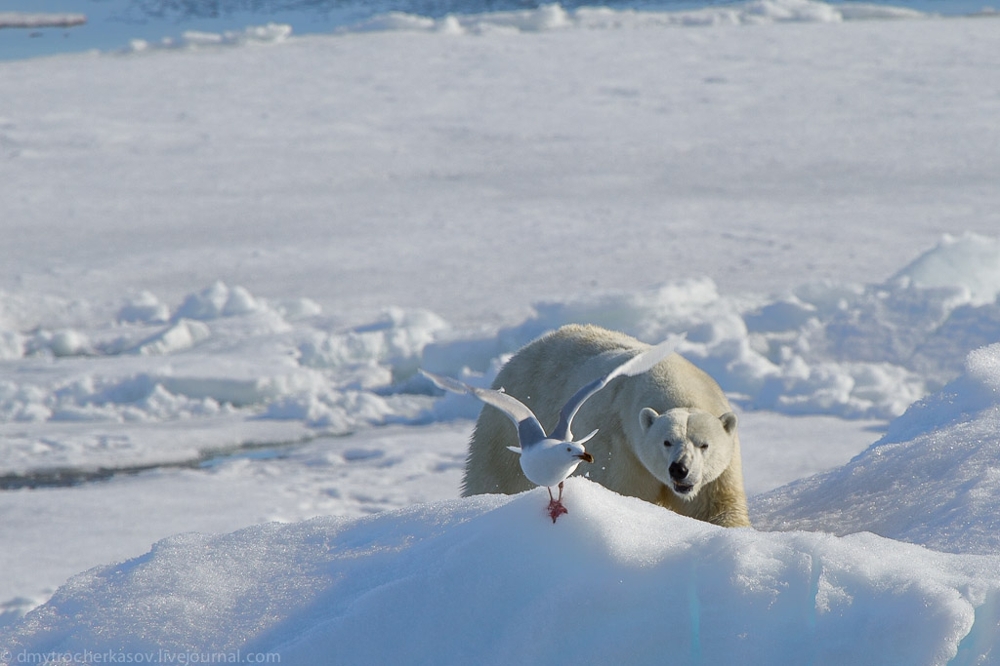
x: 226, y: 256
x: 491, y: 580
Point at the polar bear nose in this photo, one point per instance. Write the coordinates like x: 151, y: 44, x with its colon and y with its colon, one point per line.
x: 678, y: 471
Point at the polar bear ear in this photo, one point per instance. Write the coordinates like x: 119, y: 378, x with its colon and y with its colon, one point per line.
x: 646, y: 418
x: 728, y: 422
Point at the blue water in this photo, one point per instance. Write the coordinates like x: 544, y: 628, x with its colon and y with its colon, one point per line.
x: 111, y: 24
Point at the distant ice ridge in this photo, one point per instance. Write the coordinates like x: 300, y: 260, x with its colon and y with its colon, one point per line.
x: 854, y: 351
x: 555, y: 17
x: 193, y: 39
x: 550, y: 17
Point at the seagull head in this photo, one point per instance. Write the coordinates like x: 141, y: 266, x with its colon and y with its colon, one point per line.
x: 574, y: 453
x: 566, y: 456
x: 551, y: 461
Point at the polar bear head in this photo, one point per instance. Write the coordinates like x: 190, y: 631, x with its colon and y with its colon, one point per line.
x: 686, y: 448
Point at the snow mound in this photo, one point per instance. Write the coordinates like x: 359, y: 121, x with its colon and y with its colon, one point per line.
x: 970, y: 260
x: 491, y: 580
x: 933, y: 479
x: 555, y: 17
x: 144, y: 308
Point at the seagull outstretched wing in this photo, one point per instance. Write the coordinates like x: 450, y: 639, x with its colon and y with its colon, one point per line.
x: 636, y: 365
x: 529, y: 430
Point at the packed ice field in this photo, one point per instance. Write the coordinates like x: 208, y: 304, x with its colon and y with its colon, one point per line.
x: 226, y: 257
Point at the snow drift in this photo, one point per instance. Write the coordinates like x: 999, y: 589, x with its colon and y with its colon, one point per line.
x: 933, y: 479
x: 491, y: 580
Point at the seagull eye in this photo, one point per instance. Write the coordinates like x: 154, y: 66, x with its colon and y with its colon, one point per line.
x: 569, y: 449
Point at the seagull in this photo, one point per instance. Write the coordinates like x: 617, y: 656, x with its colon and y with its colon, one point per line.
x: 548, y: 459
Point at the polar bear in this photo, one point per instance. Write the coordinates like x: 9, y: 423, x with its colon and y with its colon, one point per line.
x: 667, y: 436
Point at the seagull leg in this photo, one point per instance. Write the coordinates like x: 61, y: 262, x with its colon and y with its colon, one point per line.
x: 556, y: 507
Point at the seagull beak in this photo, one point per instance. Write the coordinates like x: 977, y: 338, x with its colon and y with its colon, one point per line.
x: 586, y: 457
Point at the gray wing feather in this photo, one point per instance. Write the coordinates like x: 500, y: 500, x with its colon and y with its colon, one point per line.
x: 529, y: 430
x: 636, y: 365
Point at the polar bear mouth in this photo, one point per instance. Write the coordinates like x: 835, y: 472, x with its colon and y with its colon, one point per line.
x: 682, y: 488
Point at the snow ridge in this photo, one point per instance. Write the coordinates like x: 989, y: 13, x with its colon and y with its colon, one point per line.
x: 845, y: 350
x: 554, y: 17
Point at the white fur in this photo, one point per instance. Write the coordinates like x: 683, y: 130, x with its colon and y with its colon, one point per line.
x: 692, y: 439
x: 630, y: 457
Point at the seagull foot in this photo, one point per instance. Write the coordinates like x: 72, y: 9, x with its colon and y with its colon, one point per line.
x: 556, y: 509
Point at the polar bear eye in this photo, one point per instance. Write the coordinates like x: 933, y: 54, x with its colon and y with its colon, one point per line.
x: 703, y: 447
x: 667, y: 443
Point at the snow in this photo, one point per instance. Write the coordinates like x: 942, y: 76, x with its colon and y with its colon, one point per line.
x: 490, y: 580
x: 224, y: 354
x: 555, y: 17
x: 969, y: 261
x: 224, y: 262
x: 192, y: 39
x: 932, y: 479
